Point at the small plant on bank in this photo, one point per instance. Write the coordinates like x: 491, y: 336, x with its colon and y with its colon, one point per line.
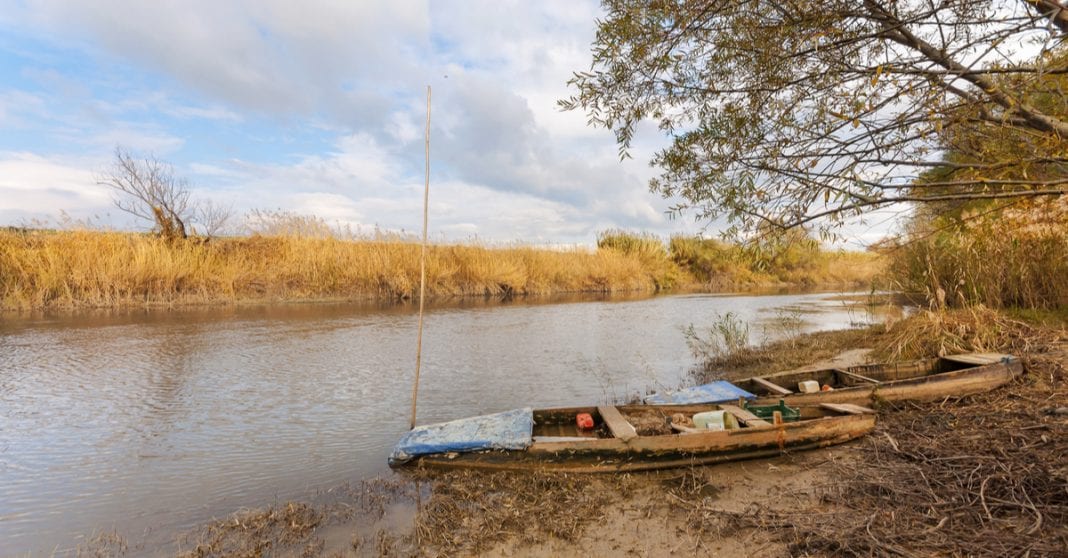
x: 728, y: 336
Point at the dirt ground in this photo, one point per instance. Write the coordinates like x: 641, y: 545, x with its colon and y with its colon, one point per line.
x: 985, y: 475
x: 666, y: 513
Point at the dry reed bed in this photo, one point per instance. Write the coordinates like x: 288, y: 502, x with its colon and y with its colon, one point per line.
x: 1019, y: 259
x: 71, y: 269
x: 459, y: 513
x: 468, y: 511
x: 970, y: 329
x: 94, y: 269
x: 256, y: 533
x: 796, y: 260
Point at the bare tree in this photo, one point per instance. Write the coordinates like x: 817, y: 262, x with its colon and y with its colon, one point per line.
x: 213, y: 217
x: 147, y: 188
x: 279, y: 222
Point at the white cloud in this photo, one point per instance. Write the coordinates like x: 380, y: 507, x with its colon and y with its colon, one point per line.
x: 266, y: 55
x: 331, y: 207
x: 506, y: 163
x: 403, y: 128
x: 34, y: 187
x: 213, y: 171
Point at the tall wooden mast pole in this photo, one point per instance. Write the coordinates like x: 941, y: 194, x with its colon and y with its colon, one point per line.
x: 422, y: 265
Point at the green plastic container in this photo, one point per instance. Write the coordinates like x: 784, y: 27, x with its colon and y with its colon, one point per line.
x: 789, y: 414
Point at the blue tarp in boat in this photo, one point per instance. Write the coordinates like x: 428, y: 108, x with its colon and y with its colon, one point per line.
x: 511, y: 430
x: 719, y: 391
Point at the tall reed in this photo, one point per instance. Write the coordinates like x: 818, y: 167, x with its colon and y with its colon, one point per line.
x: 1015, y: 260
x: 88, y: 268
x: 650, y: 251
x: 91, y: 268
x: 800, y: 262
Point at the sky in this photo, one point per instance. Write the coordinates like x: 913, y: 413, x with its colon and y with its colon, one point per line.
x: 319, y: 107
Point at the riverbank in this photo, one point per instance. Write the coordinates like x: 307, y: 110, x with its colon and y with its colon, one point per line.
x: 96, y: 269
x: 980, y: 475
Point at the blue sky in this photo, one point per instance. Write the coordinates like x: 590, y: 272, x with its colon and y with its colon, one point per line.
x: 318, y: 107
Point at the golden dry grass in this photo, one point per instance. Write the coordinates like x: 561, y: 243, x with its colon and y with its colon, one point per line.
x: 803, y: 262
x: 965, y: 330
x: 86, y: 268
x: 96, y: 269
x: 1017, y: 258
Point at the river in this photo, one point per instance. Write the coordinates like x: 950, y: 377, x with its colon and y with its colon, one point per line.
x: 152, y: 421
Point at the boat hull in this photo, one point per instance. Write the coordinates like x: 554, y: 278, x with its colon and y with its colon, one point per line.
x: 896, y: 384
x: 613, y: 455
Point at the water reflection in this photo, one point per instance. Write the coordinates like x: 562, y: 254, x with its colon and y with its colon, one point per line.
x: 163, y: 419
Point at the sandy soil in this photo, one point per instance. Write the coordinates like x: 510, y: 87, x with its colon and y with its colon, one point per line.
x: 666, y: 513
x: 656, y: 521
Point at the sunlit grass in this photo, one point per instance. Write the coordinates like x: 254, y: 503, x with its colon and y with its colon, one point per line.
x: 1019, y: 260
x: 719, y: 264
x: 90, y: 268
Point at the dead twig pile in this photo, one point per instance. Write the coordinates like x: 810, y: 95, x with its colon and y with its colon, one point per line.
x: 974, y: 329
x: 987, y: 476
x: 469, y: 511
x: 373, y: 497
x: 259, y: 532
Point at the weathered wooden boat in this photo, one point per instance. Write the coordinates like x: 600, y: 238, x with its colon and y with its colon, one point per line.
x: 920, y: 380
x: 625, y: 438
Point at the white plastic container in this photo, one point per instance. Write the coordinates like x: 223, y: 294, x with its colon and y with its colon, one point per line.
x: 808, y: 386
x: 714, y: 420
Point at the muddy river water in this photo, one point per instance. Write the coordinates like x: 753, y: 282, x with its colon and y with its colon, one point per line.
x: 152, y: 421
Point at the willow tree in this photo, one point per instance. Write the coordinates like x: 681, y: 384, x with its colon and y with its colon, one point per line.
x: 147, y: 188
x: 785, y: 113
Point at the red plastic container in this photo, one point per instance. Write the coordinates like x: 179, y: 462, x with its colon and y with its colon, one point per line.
x: 584, y: 421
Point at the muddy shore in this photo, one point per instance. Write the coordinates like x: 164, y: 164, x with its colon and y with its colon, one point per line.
x: 981, y: 475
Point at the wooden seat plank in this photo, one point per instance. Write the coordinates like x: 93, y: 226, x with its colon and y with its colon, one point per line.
x: 774, y: 388
x: 618, y: 425
x: 848, y: 408
x: 744, y: 416
x: 856, y: 376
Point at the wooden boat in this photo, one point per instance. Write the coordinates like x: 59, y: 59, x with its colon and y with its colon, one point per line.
x: 640, y: 437
x: 928, y: 379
